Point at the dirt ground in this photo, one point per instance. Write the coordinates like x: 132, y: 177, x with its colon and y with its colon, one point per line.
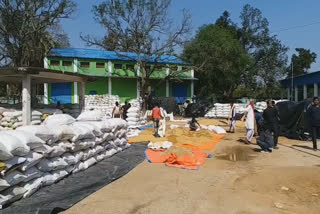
x: 238, y: 179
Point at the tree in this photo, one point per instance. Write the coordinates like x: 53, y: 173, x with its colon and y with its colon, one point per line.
x: 142, y: 27
x: 224, y: 59
x: 269, y: 54
x: 30, y: 28
x: 301, y: 62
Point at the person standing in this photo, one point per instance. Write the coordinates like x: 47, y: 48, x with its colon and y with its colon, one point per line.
x: 125, y: 109
x: 116, y: 112
x: 232, y: 118
x: 250, y: 120
x: 314, y: 117
x: 156, y: 116
x: 271, y: 121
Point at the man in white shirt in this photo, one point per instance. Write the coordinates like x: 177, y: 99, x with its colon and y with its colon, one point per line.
x: 249, y: 114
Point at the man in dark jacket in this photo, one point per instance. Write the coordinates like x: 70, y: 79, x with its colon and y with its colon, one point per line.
x: 271, y: 121
x: 314, y: 117
x: 265, y: 141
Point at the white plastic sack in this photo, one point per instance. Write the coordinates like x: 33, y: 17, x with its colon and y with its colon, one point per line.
x: 108, y: 136
x: 133, y: 109
x: 11, y: 195
x: 32, y: 186
x: 48, y: 179
x: 27, y: 138
x: 133, y: 119
x: 88, y: 153
x: 43, y: 132
x: 73, y: 158
x: 133, y: 115
x: 10, y: 145
x: 59, y: 120
x: 47, y: 165
x: 59, y: 174
x: 11, y: 179
x: 81, y: 132
x: 217, y: 129
x: 32, y: 158
x: 45, y: 149
x: 60, y: 148
x: 83, y: 144
x: 32, y: 173
x: 15, y: 161
x: 94, y: 115
x: 99, y: 149
x: 93, y: 128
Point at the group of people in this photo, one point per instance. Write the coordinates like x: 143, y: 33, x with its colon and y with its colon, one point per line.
x: 268, y: 124
x: 121, y: 111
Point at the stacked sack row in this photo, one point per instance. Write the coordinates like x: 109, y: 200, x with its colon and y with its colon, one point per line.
x: 103, y: 103
x: 36, y: 156
x: 12, y: 119
x: 222, y: 110
x: 261, y: 106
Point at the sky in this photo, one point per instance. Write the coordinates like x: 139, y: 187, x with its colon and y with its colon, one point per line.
x: 295, y: 22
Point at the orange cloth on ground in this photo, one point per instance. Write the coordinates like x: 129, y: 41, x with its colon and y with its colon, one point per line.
x: 186, y: 161
x: 156, y: 113
x: 208, y: 146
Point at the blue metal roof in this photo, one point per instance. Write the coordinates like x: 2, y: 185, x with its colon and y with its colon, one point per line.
x: 304, y: 79
x: 110, y: 55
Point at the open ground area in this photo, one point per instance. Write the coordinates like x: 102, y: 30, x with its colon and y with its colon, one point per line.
x: 238, y: 179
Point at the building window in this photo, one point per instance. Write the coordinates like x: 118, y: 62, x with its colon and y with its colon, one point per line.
x: 84, y: 64
x: 99, y: 65
x: 130, y: 67
x: 118, y: 66
x: 55, y: 63
x: 66, y: 63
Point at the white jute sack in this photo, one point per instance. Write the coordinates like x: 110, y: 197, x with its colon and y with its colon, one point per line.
x: 79, y: 167
x: 99, y: 149
x: 32, y: 186
x: 32, y: 158
x: 11, y: 195
x: 133, y: 119
x: 11, y: 179
x: 47, y: 165
x: 91, y: 161
x: 10, y: 145
x: 59, y: 120
x: 64, y: 132
x: 60, y: 148
x: 102, y: 125
x: 32, y: 173
x: 94, y: 115
x: 59, y: 174
x: 133, y: 114
x: 73, y: 158
x: 17, y: 124
x: 48, y: 179
x: 11, y: 114
x: 27, y: 138
x: 45, y: 149
x: 81, y: 132
x: 108, y: 136
x: 83, y: 144
x: 88, y: 153
x: 15, y: 161
x: 133, y: 109
x: 43, y: 132
x: 93, y: 128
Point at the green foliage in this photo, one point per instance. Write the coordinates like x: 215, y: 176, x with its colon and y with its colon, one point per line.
x: 301, y: 62
x: 237, y: 60
x: 30, y: 28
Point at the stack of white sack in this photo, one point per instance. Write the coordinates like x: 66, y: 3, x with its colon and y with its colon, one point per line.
x: 12, y: 119
x: 50, y: 111
x: 72, y: 109
x: 222, y: 110
x: 104, y: 103
x: 133, y: 117
x: 37, y: 156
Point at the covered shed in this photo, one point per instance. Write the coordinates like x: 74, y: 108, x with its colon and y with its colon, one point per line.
x: 34, y: 75
x: 303, y: 86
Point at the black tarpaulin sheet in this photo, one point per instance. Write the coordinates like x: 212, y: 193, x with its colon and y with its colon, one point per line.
x: 294, y: 121
x: 64, y: 194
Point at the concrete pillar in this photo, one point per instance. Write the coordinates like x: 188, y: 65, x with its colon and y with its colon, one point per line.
x: 305, y: 92
x: 82, y: 90
x: 26, y: 100
x: 75, y: 65
x: 109, y: 78
x: 315, y: 89
x: 296, y: 93
x: 45, y: 94
x: 288, y: 94
x: 45, y: 85
x: 167, y: 83
x: 75, y: 93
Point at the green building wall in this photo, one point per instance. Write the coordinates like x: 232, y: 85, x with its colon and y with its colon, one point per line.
x: 126, y: 89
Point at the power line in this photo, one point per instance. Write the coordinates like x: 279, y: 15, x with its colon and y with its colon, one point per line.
x: 296, y: 27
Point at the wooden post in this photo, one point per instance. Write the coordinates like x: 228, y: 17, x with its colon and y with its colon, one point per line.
x: 26, y: 100
x: 82, y: 96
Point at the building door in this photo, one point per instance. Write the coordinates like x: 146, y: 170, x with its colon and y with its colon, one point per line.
x: 61, y: 92
x: 180, y: 92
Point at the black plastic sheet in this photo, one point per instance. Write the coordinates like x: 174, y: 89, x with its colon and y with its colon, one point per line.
x: 64, y: 194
